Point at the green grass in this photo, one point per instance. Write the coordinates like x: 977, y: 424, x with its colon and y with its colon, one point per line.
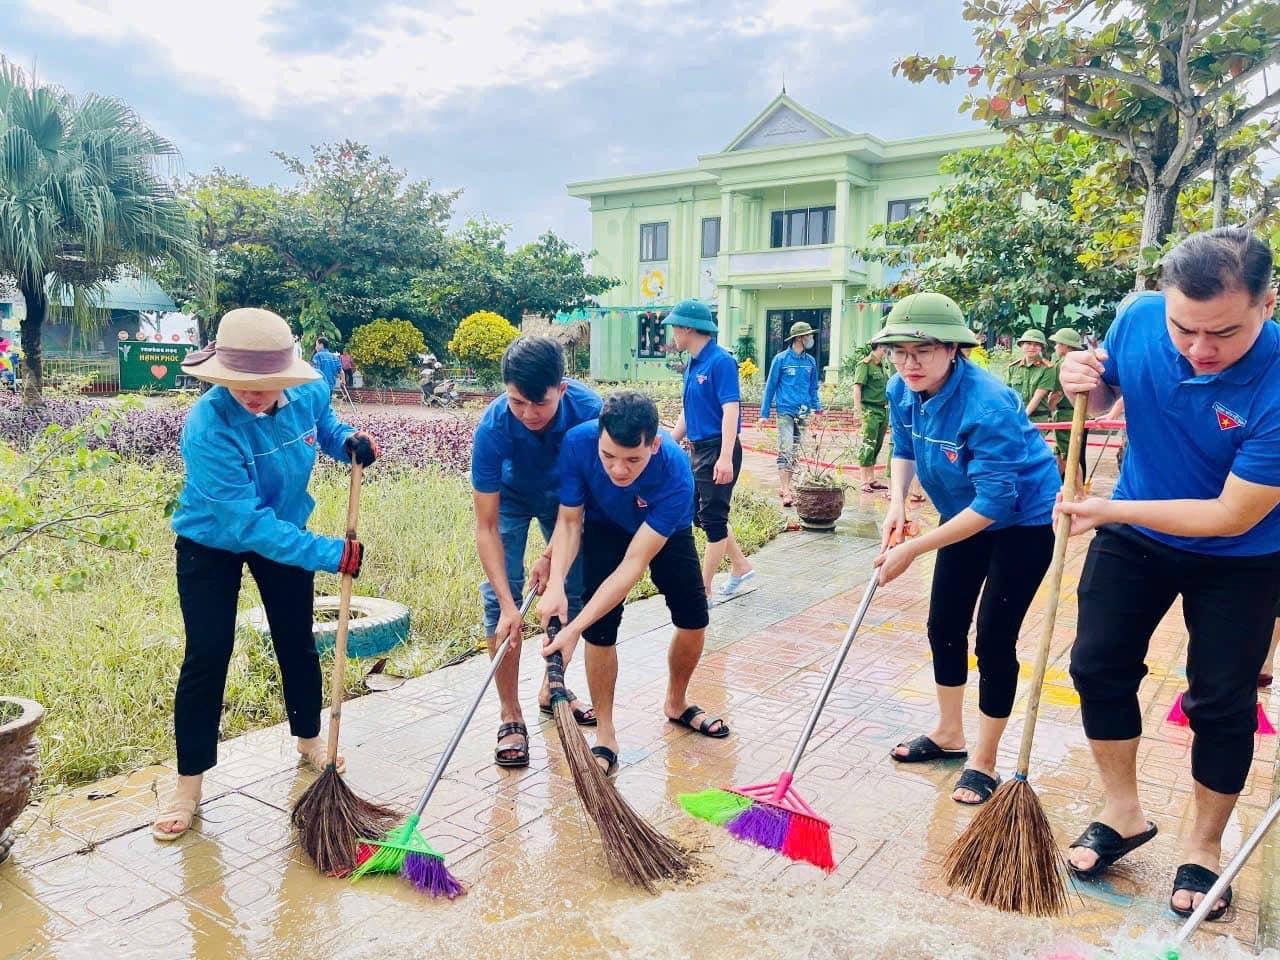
x: 104, y: 659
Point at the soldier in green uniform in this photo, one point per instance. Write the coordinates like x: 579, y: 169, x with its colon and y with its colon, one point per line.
x: 1064, y: 341
x: 870, y: 378
x: 1033, y: 377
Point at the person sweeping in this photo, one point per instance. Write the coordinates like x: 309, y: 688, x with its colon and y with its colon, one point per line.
x: 1193, y: 516
x: 249, y: 447
x: 994, y: 481
x: 792, y: 386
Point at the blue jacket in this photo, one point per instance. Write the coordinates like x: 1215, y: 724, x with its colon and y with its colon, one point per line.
x: 974, y: 447
x: 247, y: 475
x: 329, y: 364
x: 792, y: 383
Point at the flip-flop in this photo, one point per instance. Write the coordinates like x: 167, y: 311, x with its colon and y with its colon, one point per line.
x: 609, y: 757
x: 922, y: 750
x: 979, y: 783
x: 1108, y: 845
x: 181, y: 809
x: 686, y: 720
x: 585, y: 718
x: 1197, y: 879
x: 518, y: 755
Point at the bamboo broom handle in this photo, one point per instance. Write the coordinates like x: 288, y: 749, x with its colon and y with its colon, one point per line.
x: 344, y: 617
x: 1060, y: 537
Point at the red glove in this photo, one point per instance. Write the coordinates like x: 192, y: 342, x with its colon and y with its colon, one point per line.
x: 352, y: 557
x: 363, y: 447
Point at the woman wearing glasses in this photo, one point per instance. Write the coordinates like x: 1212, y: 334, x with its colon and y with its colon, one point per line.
x: 993, y: 480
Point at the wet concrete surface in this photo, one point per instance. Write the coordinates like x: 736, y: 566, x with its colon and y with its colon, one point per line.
x: 86, y: 879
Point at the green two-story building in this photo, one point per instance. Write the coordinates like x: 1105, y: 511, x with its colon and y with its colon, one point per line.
x: 765, y: 232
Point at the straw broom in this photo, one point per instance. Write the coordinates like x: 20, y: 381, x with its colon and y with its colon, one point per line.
x: 1007, y: 857
x: 329, y: 818
x: 635, y: 851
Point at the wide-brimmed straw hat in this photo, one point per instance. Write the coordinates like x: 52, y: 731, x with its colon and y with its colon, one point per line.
x: 254, y: 350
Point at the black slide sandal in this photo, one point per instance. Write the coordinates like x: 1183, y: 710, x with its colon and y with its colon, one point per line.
x: 516, y: 756
x: 686, y: 720
x: 1197, y: 879
x: 609, y: 757
x: 1108, y: 845
x: 922, y: 750
x: 979, y: 783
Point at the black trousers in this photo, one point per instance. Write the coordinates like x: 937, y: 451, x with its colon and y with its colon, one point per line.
x: 208, y: 588
x: 711, y: 500
x: 1006, y: 566
x: 1128, y: 584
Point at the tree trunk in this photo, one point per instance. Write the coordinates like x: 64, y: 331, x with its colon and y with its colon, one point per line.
x: 1157, y: 220
x: 32, y: 366
x: 1221, y: 190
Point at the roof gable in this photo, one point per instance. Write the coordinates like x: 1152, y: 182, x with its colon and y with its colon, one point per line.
x: 783, y: 123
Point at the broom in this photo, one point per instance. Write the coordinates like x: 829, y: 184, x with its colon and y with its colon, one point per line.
x: 329, y: 818
x: 774, y: 815
x: 1007, y: 857
x: 403, y: 849
x: 634, y: 850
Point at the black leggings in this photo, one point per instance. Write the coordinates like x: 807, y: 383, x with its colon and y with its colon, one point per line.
x: 1128, y: 584
x: 208, y: 587
x: 1007, y: 566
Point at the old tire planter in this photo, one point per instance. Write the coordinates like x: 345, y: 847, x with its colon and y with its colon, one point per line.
x: 19, y: 765
x: 376, y: 625
x: 819, y: 507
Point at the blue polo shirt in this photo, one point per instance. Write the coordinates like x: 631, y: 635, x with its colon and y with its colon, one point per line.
x: 974, y: 447
x: 509, y: 458
x: 329, y: 364
x: 710, y: 381
x: 792, y: 383
x: 247, y: 475
x: 662, y: 496
x: 1188, y: 432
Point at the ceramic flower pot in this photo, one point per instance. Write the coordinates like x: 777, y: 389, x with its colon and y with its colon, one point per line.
x: 819, y: 507
x: 19, y: 765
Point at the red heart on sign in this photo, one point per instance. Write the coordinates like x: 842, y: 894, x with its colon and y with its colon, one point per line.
x: 159, y: 370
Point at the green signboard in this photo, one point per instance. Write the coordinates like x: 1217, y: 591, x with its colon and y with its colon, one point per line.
x: 151, y: 366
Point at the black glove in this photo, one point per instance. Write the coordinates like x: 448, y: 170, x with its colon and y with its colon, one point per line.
x: 352, y: 557
x: 363, y: 447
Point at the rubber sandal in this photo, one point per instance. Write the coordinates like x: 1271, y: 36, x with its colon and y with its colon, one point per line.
x: 1108, y: 845
x: 736, y: 583
x: 979, y: 783
x: 1265, y: 680
x: 318, y: 758
x: 585, y: 718
x: 518, y: 756
x: 917, y: 498
x: 868, y: 488
x: 609, y: 757
x: 922, y: 750
x: 877, y: 485
x: 181, y: 809
x: 686, y: 720
x: 1197, y: 879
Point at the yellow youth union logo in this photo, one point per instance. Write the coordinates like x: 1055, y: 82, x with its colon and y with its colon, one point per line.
x: 653, y: 284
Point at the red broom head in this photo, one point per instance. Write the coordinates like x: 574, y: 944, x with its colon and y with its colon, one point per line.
x: 809, y: 840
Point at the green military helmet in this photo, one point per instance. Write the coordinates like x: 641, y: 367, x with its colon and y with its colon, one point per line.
x: 1033, y: 336
x: 1068, y: 338
x: 800, y: 329
x: 693, y: 314
x: 921, y: 317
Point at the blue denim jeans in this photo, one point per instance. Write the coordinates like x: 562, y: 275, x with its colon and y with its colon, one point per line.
x: 514, y: 516
x: 790, y: 437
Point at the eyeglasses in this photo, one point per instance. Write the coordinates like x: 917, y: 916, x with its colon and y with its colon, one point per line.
x: 920, y: 355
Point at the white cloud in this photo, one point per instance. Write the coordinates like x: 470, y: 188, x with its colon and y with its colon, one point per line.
x: 418, y: 57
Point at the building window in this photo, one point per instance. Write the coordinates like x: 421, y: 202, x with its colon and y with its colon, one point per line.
x: 653, y: 241
x: 802, y: 228
x: 651, y: 342
x: 901, y: 209
x: 710, y: 236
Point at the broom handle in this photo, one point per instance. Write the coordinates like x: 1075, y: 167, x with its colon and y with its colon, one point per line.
x: 1060, y: 537
x: 1097, y: 463
x: 830, y: 682
x: 344, y: 617
x: 1229, y: 874
x: 445, y: 757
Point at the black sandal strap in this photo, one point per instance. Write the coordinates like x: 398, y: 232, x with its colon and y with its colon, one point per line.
x: 977, y: 782
x: 605, y: 754
x: 1194, y: 878
x: 507, y: 729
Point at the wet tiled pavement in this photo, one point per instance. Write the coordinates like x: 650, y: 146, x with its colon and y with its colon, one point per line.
x: 86, y: 879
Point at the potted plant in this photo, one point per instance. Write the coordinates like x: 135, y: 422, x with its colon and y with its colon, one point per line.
x: 18, y: 762
x: 819, y: 485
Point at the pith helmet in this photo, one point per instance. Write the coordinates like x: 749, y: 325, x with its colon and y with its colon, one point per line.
x: 1033, y: 336
x: 693, y: 314
x: 800, y: 329
x: 1068, y: 338
x: 926, y: 316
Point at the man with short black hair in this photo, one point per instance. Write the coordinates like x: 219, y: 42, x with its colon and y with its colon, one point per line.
x: 515, y: 477
x: 327, y: 362
x: 626, y: 503
x: 1195, y: 516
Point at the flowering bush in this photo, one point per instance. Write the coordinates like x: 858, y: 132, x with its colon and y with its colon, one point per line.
x: 979, y: 356
x: 747, y: 370
x: 479, y: 342
x: 386, y: 351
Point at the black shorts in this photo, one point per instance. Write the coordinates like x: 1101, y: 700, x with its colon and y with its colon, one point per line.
x: 711, y: 499
x: 675, y: 571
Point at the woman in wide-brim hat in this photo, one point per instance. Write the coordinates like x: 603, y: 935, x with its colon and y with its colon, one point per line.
x: 249, y: 447
x: 993, y: 481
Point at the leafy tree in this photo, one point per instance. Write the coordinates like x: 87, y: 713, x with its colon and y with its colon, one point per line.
x: 1166, y: 80
x: 1001, y: 234
x: 80, y: 199
x: 386, y: 351
x: 479, y: 342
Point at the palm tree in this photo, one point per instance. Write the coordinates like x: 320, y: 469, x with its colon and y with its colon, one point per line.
x: 81, y: 197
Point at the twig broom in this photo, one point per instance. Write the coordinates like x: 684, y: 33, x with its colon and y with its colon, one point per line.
x: 403, y: 849
x: 329, y: 818
x: 1007, y: 857
x: 635, y: 851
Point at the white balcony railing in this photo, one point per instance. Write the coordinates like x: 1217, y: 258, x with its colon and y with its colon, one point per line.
x: 781, y: 260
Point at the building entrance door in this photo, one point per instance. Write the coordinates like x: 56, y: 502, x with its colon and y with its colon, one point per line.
x: 778, y: 325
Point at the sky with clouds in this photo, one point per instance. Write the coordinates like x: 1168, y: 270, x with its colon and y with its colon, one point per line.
x: 507, y: 99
